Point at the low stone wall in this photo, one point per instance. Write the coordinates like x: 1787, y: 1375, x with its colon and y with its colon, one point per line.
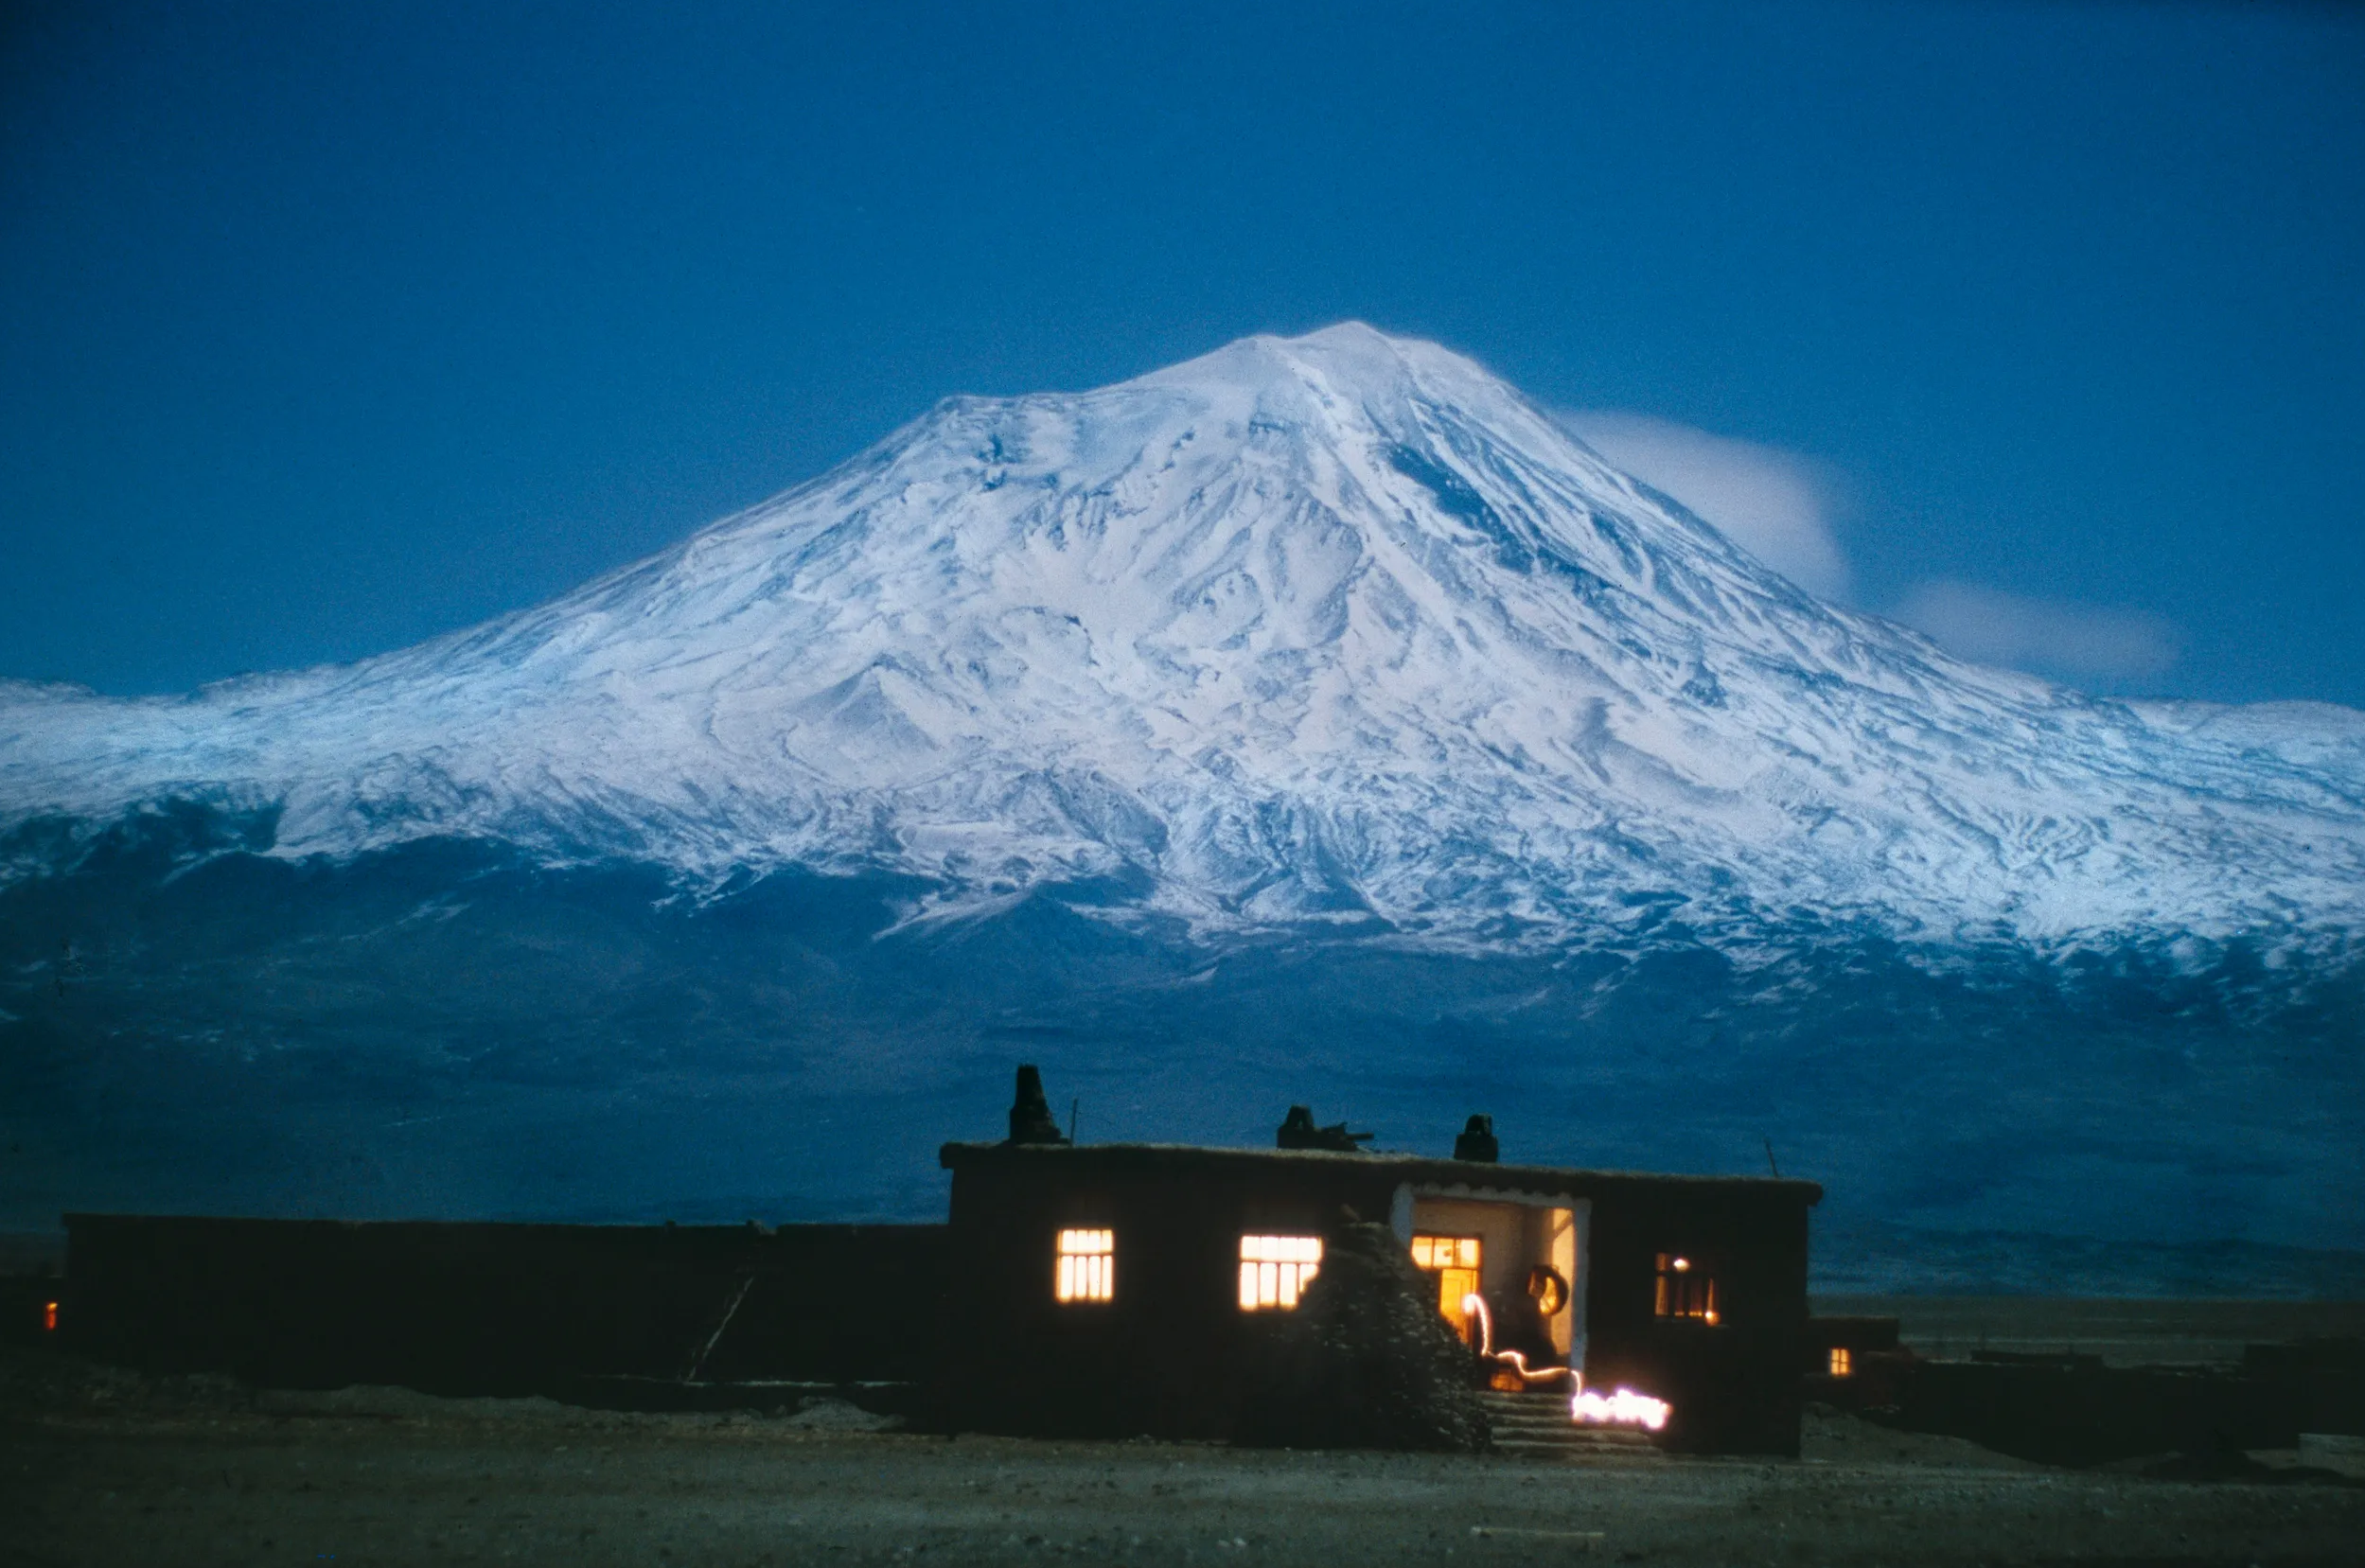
x: 2074, y: 1410
x: 501, y: 1308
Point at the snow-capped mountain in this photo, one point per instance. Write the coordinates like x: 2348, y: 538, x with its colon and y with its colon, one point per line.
x: 1313, y: 721
x: 1335, y: 629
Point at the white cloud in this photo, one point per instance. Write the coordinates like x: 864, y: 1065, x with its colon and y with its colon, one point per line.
x: 2049, y: 636
x: 1774, y: 505
x: 1782, y: 508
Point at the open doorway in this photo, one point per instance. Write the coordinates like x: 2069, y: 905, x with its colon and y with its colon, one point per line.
x: 1508, y: 1272
x: 1454, y: 1260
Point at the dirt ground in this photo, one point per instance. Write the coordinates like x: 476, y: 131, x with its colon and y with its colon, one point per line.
x: 99, y: 1468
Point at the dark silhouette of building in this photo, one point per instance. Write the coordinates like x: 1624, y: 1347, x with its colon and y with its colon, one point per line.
x: 1297, y: 1130
x: 467, y: 1309
x: 1123, y: 1288
x: 1113, y: 1289
x: 1030, y: 1118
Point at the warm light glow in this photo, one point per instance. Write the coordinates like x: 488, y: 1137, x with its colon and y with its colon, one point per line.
x: 1678, y: 1292
x: 1445, y: 1252
x: 50, y: 1317
x: 1087, y: 1266
x: 1842, y: 1361
x: 1550, y: 1291
x: 1474, y: 1309
x: 1454, y: 1260
x: 1281, y: 1249
x: 1274, y: 1269
x: 1621, y: 1407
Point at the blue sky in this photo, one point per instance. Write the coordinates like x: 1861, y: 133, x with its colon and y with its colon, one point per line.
x: 326, y: 329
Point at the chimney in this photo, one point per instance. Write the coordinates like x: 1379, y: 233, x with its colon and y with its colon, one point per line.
x: 1477, y: 1142
x: 1030, y: 1118
x: 1297, y: 1130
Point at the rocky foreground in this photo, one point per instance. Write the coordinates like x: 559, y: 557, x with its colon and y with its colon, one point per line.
x: 100, y: 1467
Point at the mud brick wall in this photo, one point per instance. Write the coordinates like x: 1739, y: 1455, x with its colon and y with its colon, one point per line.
x: 500, y: 1308
x: 1167, y: 1355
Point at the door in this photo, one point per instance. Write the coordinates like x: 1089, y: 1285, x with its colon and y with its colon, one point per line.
x: 1457, y: 1262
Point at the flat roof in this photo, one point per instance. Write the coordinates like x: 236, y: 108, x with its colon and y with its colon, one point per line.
x: 1416, y: 1169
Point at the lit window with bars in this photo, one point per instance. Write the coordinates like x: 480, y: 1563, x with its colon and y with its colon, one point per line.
x: 1087, y: 1266
x: 1275, y: 1270
x: 1842, y: 1361
x: 1682, y: 1291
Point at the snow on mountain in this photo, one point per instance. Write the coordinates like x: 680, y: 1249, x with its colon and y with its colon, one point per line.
x: 1336, y: 629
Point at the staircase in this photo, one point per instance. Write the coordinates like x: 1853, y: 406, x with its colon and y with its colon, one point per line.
x: 1536, y: 1423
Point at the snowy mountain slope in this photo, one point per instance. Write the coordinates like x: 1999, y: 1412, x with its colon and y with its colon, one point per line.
x: 1338, y: 629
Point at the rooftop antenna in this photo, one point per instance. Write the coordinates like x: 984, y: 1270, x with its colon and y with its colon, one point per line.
x: 1770, y: 1165
x: 1071, y: 1116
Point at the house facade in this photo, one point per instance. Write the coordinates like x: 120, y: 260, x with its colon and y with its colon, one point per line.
x: 1120, y: 1289
x: 1111, y: 1289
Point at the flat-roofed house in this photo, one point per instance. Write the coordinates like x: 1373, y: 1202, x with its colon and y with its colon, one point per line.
x: 1120, y: 1289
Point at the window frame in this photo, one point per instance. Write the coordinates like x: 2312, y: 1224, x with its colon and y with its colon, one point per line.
x: 1275, y: 1270
x: 1683, y: 1289
x: 1083, y: 1272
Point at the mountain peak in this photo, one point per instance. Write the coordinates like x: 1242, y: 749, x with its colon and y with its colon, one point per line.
x: 1347, y: 363
x: 1334, y: 628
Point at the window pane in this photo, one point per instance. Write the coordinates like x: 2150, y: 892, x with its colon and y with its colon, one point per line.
x: 1281, y: 1249
x: 1087, y: 1267
x: 1274, y: 1270
x: 1682, y: 1291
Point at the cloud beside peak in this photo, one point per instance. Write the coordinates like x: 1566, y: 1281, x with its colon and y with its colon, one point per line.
x: 2049, y: 636
x: 1782, y: 508
x: 1774, y: 505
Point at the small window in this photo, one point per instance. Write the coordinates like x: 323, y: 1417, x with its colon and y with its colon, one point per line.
x: 1842, y: 1361
x: 1087, y: 1266
x: 1445, y: 1252
x: 50, y: 1317
x: 1682, y: 1291
x: 1274, y: 1270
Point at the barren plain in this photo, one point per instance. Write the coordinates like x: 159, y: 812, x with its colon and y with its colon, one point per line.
x: 104, y: 1467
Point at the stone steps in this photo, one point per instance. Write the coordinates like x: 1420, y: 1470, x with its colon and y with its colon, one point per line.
x: 1538, y: 1423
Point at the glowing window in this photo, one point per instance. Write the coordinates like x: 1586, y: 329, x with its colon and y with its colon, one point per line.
x: 1274, y: 1269
x: 1682, y: 1291
x: 1445, y: 1252
x: 1842, y: 1361
x: 1454, y: 1260
x: 50, y: 1317
x: 1087, y: 1266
